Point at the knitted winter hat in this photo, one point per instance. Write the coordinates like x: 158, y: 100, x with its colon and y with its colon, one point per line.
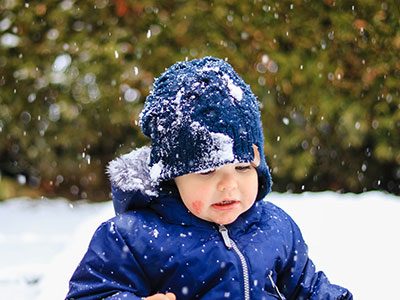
x: 201, y: 115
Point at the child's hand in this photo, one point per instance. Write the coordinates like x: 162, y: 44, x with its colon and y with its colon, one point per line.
x: 167, y: 296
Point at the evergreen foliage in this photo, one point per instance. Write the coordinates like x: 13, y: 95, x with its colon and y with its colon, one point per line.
x: 74, y: 75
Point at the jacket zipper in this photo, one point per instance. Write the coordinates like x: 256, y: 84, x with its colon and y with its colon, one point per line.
x: 230, y: 244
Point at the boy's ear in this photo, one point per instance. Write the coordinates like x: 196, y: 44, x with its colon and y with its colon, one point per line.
x: 256, y: 161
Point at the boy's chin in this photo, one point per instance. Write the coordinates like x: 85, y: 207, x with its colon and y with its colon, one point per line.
x: 225, y: 220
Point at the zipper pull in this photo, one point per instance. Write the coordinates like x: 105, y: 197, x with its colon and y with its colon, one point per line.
x: 225, y: 236
x: 281, y: 297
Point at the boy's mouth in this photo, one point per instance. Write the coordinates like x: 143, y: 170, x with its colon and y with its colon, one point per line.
x: 225, y: 204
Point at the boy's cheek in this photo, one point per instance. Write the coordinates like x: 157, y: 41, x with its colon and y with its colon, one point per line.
x: 197, y: 206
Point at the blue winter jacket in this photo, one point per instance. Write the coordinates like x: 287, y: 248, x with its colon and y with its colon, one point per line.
x: 155, y: 244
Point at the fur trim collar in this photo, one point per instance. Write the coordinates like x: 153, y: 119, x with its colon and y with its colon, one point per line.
x: 131, y: 172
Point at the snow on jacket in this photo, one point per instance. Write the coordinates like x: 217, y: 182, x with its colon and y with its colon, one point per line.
x: 155, y: 244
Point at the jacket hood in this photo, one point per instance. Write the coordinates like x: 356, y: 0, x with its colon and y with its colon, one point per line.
x: 131, y: 183
x: 134, y: 187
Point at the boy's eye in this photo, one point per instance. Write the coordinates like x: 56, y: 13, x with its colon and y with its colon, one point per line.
x: 243, y: 168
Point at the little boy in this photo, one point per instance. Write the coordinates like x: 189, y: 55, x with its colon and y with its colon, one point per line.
x: 191, y: 219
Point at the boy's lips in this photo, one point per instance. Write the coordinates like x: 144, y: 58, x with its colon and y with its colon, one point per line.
x: 225, y: 204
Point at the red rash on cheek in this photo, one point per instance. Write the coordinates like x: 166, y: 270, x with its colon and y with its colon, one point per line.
x: 197, y: 206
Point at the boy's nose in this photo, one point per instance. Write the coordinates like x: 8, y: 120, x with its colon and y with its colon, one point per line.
x: 227, y: 183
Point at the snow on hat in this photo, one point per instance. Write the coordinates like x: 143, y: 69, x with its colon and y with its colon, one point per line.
x: 199, y: 116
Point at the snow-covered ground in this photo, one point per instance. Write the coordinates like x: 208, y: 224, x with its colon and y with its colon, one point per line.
x: 353, y: 238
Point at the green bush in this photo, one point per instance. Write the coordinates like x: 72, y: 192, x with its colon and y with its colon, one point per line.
x: 74, y: 76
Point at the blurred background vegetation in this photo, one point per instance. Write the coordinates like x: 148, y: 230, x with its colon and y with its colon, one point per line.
x: 74, y: 76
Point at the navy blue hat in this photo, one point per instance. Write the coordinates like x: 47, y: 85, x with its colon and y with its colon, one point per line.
x: 199, y: 116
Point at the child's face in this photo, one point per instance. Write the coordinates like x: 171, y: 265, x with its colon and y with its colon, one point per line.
x: 220, y: 195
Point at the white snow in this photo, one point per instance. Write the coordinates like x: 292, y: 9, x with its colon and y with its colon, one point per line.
x: 352, y: 238
x: 178, y: 108
x: 206, y: 69
x: 155, y: 170
x: 224, y: 145
x: 235, y: 91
